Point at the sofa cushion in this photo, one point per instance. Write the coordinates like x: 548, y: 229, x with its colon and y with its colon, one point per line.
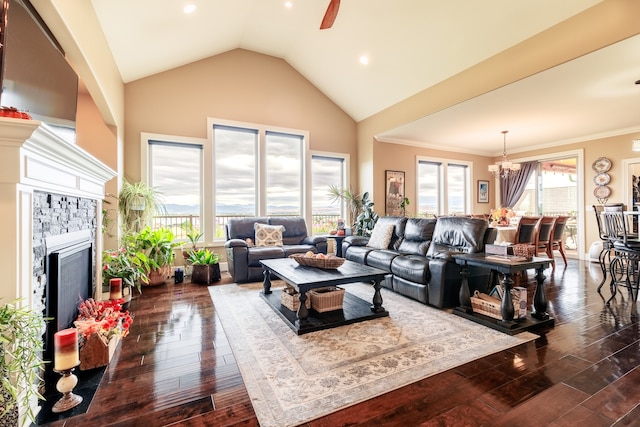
x: 255, y: 254
x: 418, y: 233
x: 268, y: 235
x: 457, y: 234
x: 295, y: 229
x: 381, y: 236
x: 243, y: 228
x: 398, y: 223
x: 414, y: 268
x: 381, y: 259
x: 358, y: 254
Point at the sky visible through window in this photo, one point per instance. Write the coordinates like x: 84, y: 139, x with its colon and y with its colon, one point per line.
x: 176, y: 173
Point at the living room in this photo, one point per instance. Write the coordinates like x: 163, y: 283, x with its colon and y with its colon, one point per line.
x: 254, y: 88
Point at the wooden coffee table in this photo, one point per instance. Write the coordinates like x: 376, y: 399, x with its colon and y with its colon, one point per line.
x: 303, y: 279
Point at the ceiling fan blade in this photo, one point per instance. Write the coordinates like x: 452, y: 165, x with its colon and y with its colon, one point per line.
x: 330, y: 14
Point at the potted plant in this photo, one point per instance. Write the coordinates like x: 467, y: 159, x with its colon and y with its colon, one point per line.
x: 128, y: 264
x: 206, y: 268
x: 352, y: 199
x: 367, y: 219
x: 193, y: 234
x: 158, y: 248
x: 136, y: 203
x: 20, y: 360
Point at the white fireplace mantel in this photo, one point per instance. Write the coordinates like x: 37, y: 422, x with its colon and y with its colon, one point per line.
x: 33, y: 157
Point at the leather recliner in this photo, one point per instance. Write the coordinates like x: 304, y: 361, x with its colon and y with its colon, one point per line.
x: 244, y: 259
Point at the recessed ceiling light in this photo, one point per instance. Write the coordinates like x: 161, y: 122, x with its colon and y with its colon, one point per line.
x: 364, y: 60
x: 288, y: 4
x: 190, y: 8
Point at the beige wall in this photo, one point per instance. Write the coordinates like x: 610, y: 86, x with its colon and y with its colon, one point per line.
x: 238, y: 85
x: 389, y: 156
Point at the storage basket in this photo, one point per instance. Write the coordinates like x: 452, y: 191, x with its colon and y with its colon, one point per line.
x: 330, y: 262
x: 326, y: 299
x: 524, y: 250
x: 486, y: 305
x: 289, y: 298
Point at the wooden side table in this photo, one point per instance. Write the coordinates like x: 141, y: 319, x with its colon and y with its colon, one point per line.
x: 538, y: 318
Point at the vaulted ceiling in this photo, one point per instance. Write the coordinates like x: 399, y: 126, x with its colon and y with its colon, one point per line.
x: 411, y: 45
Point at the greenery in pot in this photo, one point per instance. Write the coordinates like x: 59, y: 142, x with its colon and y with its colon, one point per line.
x: 137, y: 202
x: 367, y: 219
x: 127, y: 263
x: 20, y: 358
x: 352, y: 199
x: 203, y: 257
x: 205, y: 266
x: 157, y: 245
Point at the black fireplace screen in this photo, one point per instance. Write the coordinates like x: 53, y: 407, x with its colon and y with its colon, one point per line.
x: 69, y: 281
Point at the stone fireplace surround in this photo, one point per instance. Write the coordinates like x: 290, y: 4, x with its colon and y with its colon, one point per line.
x: 48, y: 187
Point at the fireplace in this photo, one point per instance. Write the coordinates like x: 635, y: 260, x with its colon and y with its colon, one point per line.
x: 38, y: 171
x: 69, y: 267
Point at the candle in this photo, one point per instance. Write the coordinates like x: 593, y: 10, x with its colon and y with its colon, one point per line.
x: 66, y: 353
x: 115, y: 286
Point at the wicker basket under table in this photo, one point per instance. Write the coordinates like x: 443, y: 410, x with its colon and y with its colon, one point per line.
x: 290, y: 299
x: 326, y: 299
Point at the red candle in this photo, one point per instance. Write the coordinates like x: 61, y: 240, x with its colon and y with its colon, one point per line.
x: 115, y: 286
x: 66, y: 353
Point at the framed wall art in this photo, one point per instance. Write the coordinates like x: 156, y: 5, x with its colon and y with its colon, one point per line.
x: 483, y: 191
x: 395, y: 193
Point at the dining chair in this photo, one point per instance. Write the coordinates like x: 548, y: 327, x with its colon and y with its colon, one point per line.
x: 604, y: 258
x: 624, y: 267
x: 557, y: 239
x: 527, y: 231
x: 543, y: 239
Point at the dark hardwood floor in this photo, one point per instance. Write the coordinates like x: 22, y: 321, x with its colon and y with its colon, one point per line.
x: 176, y: 368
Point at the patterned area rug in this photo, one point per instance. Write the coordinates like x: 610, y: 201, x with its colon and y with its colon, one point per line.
x: 292, y: 379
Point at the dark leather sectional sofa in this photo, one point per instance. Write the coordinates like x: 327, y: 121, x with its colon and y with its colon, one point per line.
x: 418, y: 257
x: 244, y: 259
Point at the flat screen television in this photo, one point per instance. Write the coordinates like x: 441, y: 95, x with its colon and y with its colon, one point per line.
x: 36, y: 77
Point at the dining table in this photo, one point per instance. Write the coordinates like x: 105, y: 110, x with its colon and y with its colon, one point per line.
x: 505, y: 234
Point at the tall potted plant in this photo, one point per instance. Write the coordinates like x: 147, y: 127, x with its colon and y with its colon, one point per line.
x: 206, y: 268
x: 20, y: 361
x: 367, y: 219
x: 158, y: 247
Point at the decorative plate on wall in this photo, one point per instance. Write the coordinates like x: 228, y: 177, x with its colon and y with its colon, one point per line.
x: 602, y: 192
x: 601, y: 164
x: 602, y: 178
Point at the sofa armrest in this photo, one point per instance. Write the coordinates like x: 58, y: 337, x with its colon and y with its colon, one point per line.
x: 235, y: 243
x: 314, y: 240
x: 356, y: 240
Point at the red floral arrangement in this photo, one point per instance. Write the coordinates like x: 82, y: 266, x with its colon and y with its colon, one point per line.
x: 104, y: 318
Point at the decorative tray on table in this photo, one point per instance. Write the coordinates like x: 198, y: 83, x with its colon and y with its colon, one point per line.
x: 328, y: 262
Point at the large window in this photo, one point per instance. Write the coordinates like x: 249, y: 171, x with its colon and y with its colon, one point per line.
x: 235, y: 171
x: 175, y: 170
x: 327, y: 170
x: 284, y: 183
x: 242, y: 170
x: 257, y: 172
x: 443, y: 187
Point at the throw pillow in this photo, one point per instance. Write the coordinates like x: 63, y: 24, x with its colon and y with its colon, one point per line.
x: 268, y: 235
x: 381, y: 236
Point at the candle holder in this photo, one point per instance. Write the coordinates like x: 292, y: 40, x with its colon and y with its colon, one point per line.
x: 65, y: 385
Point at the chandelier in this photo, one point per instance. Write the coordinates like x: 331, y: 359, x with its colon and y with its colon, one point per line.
x: 504, y: 167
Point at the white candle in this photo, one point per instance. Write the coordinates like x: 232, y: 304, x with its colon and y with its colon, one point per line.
x: 66, y: 352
